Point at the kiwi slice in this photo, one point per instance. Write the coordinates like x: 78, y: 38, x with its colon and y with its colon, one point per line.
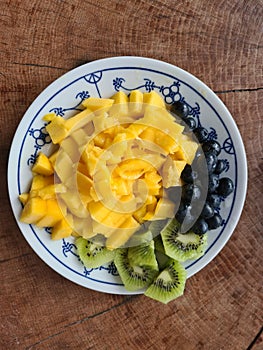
x: 133, y: 276
x: 180, y: 246
x: 93, y: 255
x: 143, y: 254
x: 142, y: 236
x: 169, y: 284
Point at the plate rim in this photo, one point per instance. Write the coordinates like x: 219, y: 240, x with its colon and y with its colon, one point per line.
x: 135, y: 59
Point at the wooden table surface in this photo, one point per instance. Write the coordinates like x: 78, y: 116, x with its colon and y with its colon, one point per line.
x: 220, y: 42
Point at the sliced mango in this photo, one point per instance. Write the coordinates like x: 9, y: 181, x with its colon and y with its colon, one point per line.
x: 153, y: 99
x: 53, y: 214
x: 42, y: 165
x: 57, y: 130
x: 23, y: 197
x: 63, y: 228
x: 34, y: 210
x: 96, y: 103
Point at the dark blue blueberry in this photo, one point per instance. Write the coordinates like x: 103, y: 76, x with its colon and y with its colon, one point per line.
x: 200, y: 227
x: 211, y: 146
x: 214, y: 222
x: 213, y: 182
x: 211, y: 160
x: 182, y: 212
x: 220, y: 166
x: 191, y: 193
x: 208, y: 211
x: 190, y: 122
x: 188, y: 175
x: 180, y: 108
x: 214, y: 200
x: 225, y: 187
x: 201, y: 134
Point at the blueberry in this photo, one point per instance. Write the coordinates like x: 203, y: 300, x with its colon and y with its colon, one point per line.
x: 214, y: 200
x: 208, y: 211
x: 225, y: 187
x: 214, y: 222
x: 201, y: 134
x: 174, y: 193
x: 220, y: 166
x: 212, y: 146
x: 188, y: 175
x: 213, y: 183
x: 211, y: 160
x: 190, y: 122
x: 180, y: 108
x: 200, y: 227
x: 182, y: 212
x: 191, y: 193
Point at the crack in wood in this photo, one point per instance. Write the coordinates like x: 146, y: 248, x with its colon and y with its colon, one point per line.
x: 251, y: 345
x: 125, y: 301
x: 39, y: 65
x: 237, y: 90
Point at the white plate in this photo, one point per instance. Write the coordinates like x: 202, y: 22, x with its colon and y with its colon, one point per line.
x: 103, y: 78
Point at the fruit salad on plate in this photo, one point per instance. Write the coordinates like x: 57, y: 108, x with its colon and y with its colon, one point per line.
x: 136, y: 183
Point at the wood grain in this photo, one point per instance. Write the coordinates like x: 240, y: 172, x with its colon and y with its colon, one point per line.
x: 219, y: 41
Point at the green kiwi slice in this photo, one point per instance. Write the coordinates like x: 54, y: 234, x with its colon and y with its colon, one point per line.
x: 182, y: 247
x: 142, y: 236
x: 169, y: 284
x: 133, y: 276
x: 93, y: 255
x: 143, y: 254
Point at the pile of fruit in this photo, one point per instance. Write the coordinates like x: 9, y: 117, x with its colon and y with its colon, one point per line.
x: 125, y: 176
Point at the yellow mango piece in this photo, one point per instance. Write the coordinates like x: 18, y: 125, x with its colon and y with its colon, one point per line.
x: 120, y: 97
x: 154, y: 99
x: 53, y: 214
x: 49, y: 117
x: 73, y: 202
x: 63, y: 228
x: 164, y: 209
x: 53, y: 157
x: 83, y: 226
x: 132, y: 169
x: 51, y: 191
x: 140, y: 213
x: 170, y: 174
x: 70, y: 147
x: 148, y: 134
x: 82, y: 168
x: 80, y: 137
x: 96, y: 103
x: 84, y: 183
x: 119, y: 237
x: 42, y: 165
x: 161, y: 119
x: 188, y: 148
x: 34, y: 210
x: 120, y: 186
x: 23, y: 197
x: 64, y: 166
x: 40, y: 181
x: 120, y: 107
x: 136, y: 103
x: 136, y: 129
x: 106, y: 216
x: 180, y: 165
x: 79, y: 120
x: 57, y: 130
